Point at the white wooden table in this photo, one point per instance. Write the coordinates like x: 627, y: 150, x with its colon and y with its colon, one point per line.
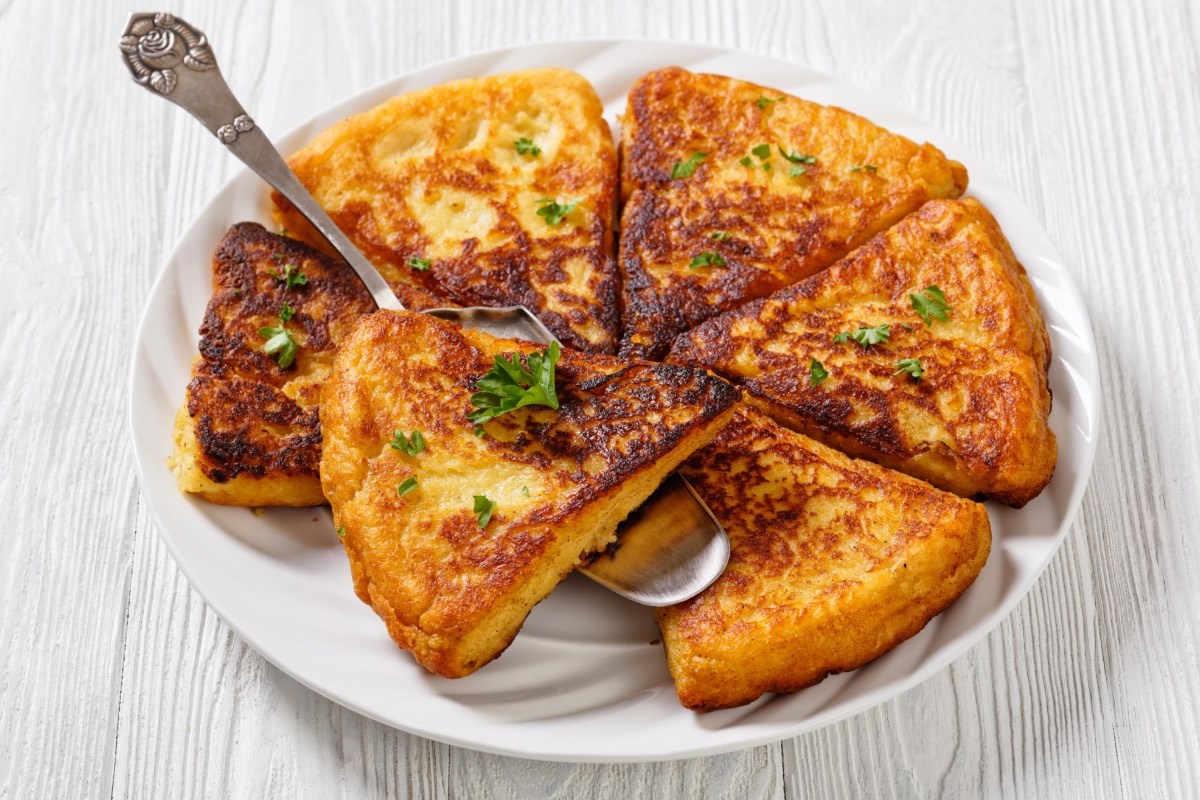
x: 116, y: 680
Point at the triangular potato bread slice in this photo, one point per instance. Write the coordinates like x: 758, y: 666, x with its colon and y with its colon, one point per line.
x: 976, y: 421
x: 441, y: 189
x: 784, y: 188
x: 247, y: 433
x: 454, y: 588
x: 833, y: 563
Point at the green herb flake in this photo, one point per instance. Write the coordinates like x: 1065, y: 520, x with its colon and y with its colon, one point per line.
x: 525, y: 491
x: 685, y: 169
x: 553, y: 211
x: 479, y: 431
x: 526, y: 147
x: 286, y: 312
x: 279, y: 341
x: 484, y: 509
x: 864, y: 168
x: 796, y: 157
x: 291, y: 277
x: 709, y: 259
x: 930, y: 304
x: 746, y: 161
x: 763, y: 102
x: 420, y: 264
x: 510, y: 385
x: 409, y: 445
x: 816, y: 373
x: 796, y: 170
x: 865, y: 336
x: 763, y: 151
x: 719, y: 236
x: 912, y: 366
x: 341, y: 532
x: 406, y: 486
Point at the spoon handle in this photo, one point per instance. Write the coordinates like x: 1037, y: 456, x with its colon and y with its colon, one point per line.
x: 173, y: 59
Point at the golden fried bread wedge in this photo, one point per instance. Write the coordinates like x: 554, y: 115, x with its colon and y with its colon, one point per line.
x: 756, y: 218
x: 433, y: 187
x: 247, y: 433
x: 833, y: 563
x: 975, y: 423
x: 453, y: 588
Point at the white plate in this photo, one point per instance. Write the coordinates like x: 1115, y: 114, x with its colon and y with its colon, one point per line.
x: 582, y: 681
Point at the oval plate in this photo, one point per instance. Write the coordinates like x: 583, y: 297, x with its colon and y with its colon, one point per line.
x: 586, y: 679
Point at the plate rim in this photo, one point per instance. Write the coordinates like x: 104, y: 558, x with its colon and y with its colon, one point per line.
x: 926, y: 669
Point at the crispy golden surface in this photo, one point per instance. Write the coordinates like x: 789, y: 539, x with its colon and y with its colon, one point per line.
x: 834, y: 562
x: 780, y: 228
x: 435, y: 174
x: 247, y: 433
x: 452, y: 593
x: 975, y: 424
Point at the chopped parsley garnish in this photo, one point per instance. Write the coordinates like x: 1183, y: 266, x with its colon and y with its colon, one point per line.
x: 796, y: 170
x: 291, y: 276
x: 525, y: 491
x: 720, y: 236
x: 763, y: 151
x: 484, y: 509
x: 866, y: 336
x: 930, y: 304
x: 553, y: 211
x: 707, y: 260
x: 912, y: 366
x: 906, y: 326
x: 509, y: 385
x: 816, y: 373
x: 341, y: 532
x: 279, y: 340
x: 864, y: 167
x: 684, y: 169
x: 286, y: 312
x: 746, y: 161
x: 409, y: 445
x: 479, y: 431
x: 420, y: 264
x: 406, y: 486
x: 526, y: 147
x: 795, y: 157
x: 763, y: 102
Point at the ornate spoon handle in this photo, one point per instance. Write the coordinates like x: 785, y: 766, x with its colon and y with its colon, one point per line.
x: 174, y: 60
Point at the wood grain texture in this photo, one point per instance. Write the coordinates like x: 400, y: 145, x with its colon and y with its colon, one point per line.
x: 117, y: 681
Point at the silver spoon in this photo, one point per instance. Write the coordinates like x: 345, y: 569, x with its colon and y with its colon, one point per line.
x: 671, y: 549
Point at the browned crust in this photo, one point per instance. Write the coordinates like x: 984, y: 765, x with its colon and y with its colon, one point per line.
x: 976, y: 424
x: 519, y: 260
x: 834, y: 562
x: 780, y: 229
x: 248, y: 421
x: 421, y: 561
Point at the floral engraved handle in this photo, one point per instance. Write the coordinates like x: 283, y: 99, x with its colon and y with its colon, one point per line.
x: 156, y: 44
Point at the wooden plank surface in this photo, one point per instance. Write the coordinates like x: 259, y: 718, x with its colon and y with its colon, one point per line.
x: 116, y: 680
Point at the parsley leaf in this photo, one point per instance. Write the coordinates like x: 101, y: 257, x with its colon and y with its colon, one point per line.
x: 929, y: 304
x: 797, y: 170
x: 410, y: 446
x: 553, y: 211
x: 509, y: 385
x: 279, y: 340
x: 866, y: 167
x: 816, y: 373
x: 763, y: 102
x: 484, y: 509
x: 763, y: 151
x: 796, y: 157
x: 866, y: 336
x: 912, y: 366
x: 720, y: 236
x: 526, y: 147
x: 341, y: 532
x: 746, y: 161
x: 707, y: 260
x: 684, y: 169
x: 406, y: 486
x: 291, y: 276
x: 287, y: 312
x: 420, y: 264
